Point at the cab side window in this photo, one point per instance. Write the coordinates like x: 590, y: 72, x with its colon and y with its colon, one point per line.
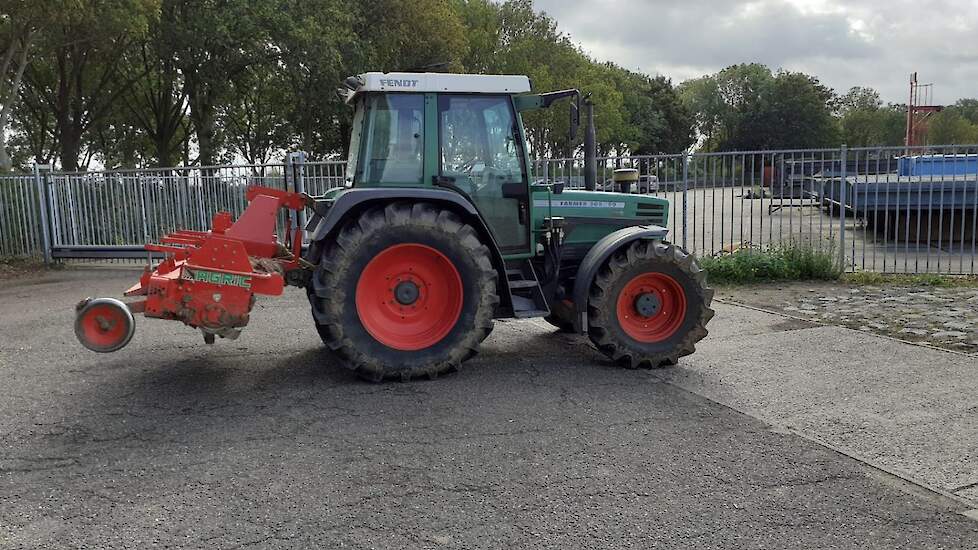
x: 393, y: 143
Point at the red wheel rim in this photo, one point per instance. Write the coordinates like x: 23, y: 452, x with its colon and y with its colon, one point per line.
x: 104, y: 326
x: 434, y: 310
x: 664, y: 291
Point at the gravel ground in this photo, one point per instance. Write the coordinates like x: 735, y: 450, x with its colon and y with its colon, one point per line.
x: 936, y: 316
x: 266, y: 442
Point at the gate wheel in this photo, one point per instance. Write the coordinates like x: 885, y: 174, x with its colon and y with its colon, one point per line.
x: 649, y: 305
x: 104, y: 324
x: 405, y: 290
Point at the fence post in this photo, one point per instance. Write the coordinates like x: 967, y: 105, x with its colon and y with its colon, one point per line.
x: 843, y: 154
x: 685, y: 189
x: 295, y: 174
x: 43, y: 206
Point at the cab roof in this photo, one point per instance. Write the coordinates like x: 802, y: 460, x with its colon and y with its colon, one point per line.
x: 435, y: 82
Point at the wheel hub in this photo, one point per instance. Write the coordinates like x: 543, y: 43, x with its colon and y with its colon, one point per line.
x: 648, y: 304
x: 409, y: 296
x: 651, y: 307
x: 406, y: 293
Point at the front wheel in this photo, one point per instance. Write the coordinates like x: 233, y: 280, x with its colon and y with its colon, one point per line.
x: 649, y: 305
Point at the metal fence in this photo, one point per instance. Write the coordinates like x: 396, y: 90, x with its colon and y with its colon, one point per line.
x: 20, y: 214
x: 880, y: 209
x: 893, y: 210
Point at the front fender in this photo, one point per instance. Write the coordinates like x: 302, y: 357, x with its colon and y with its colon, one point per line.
x: 597, y: 256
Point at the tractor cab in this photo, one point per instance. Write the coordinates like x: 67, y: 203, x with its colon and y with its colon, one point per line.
x: 460, y: 132
x: 464, y: 133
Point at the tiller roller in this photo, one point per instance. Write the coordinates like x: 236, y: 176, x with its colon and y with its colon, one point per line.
x: 208, y: 279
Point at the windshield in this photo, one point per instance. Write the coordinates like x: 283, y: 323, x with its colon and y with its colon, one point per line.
x: 392, y: 144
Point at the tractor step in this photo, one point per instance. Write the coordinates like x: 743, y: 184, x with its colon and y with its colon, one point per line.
x: 527, y: 296
x: 530, y: 313
x: 523, y: 284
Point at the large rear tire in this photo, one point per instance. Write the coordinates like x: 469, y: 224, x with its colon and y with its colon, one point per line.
x: 404, y: 291
x: 649, y: 305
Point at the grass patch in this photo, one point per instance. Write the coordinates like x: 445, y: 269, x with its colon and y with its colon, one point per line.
x: 869, y: 278
x: 790, y: 262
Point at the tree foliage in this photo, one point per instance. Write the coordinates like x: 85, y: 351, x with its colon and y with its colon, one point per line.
x: 122, y: 83
x: 749, y: 107
x: 77, y: 74
x: 865, y: 122
x: 957, y: 124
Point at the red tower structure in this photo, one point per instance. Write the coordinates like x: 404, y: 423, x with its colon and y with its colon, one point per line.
x: 919, y: 111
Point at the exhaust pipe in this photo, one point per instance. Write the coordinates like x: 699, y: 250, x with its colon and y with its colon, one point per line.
x: 590, y: 148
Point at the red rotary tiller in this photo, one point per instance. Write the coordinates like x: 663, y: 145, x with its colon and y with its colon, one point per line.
x: 208, y: 279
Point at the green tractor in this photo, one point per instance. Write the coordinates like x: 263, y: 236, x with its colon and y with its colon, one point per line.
x: 439, y: 230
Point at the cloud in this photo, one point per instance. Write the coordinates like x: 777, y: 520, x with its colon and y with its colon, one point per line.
x: 875, y: 43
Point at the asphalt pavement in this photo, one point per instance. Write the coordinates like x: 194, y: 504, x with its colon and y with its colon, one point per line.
x: 266, y: 442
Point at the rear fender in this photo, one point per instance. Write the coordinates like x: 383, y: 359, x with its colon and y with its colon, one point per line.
x: 597, y: 256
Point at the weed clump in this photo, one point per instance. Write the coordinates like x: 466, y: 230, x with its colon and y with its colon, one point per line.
x: 786, y: 262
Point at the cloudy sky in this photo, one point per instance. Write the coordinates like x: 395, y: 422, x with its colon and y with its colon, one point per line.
x: 875, y: 43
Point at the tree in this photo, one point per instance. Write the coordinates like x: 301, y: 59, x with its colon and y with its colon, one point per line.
x: 157, y: 101
x: 729, y: 104
x: 253, y: 122
x: 746, y: 107
x: 658, y: 122
x: 701, y: 97
x: 19, y: 23
x: 416, y: 33
x: 797, y: 114
x: 968, y: 108
x: 513, y: 38
x: 32, y: 138
x: 319, y: 49
x: 77, y: 70
x: 860, y: 117
x: 212, y: 42
x: 951, y: 127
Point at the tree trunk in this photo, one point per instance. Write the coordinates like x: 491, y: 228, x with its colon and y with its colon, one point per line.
x: 10, y: 95
x: 6, y: 163
x: 70, y: 148
x: 203, y: 114
x: 163, y: 152
x: 205, y: 128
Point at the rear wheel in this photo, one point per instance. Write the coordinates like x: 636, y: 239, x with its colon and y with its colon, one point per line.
x: 649, y: 305
x: 406, y: 290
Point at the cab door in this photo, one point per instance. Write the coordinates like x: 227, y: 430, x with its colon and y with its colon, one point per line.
x: 481, y: 153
